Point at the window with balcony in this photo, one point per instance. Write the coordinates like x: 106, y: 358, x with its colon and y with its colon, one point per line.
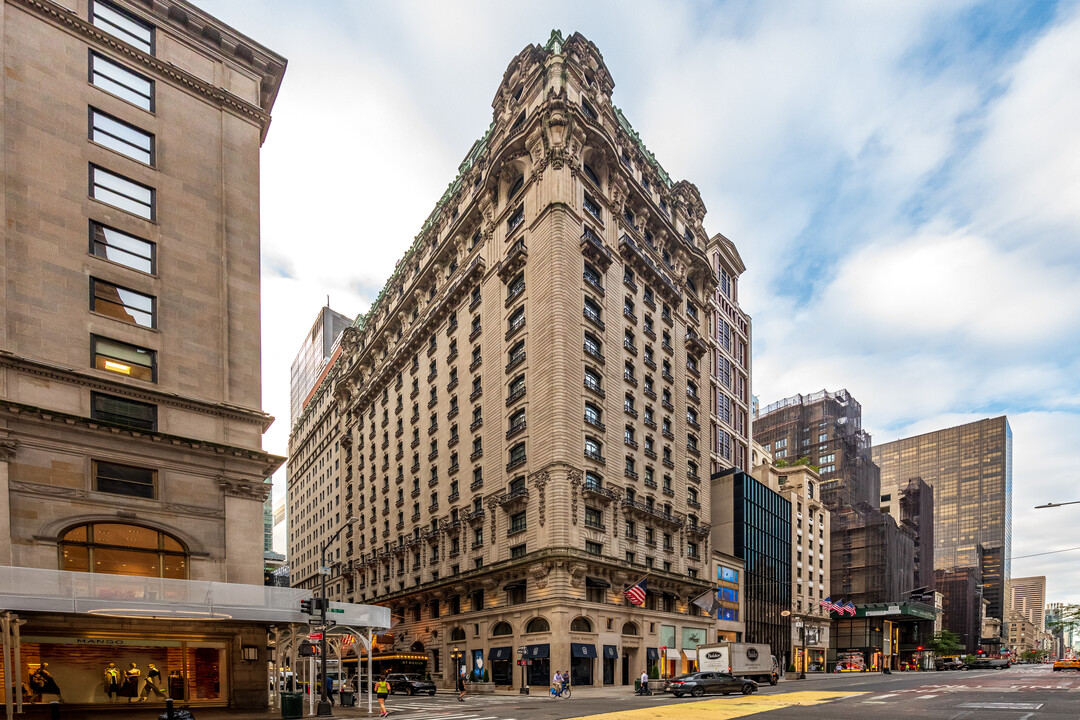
x: 593, y: 277
x: 593, y: 346
x: 593, y: 448
x: 628, y: 404
x: 629, y: 436
x: 628, y: 373
x: 517, y: 455
x: 517, y: 421
x: 593, y: 415
x: 592, y: 380
x: 593, y: 208
x: 592, y: 481
x: 593, y: 312
x: 589, y: 172
x: 516, y: 320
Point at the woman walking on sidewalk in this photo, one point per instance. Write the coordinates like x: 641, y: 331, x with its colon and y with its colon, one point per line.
x: 461, y: 684
x: 382, y: 690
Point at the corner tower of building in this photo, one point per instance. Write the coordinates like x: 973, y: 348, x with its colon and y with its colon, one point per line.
x: 527, y: 399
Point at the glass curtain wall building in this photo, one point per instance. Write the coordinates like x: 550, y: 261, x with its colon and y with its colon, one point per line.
x: 970, y: 469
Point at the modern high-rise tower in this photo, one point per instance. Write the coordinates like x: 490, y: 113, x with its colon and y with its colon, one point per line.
x: 970, y: 469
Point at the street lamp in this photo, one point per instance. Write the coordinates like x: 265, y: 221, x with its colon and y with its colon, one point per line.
x: 1054, y: 505
x: 324, y: 604
x: 802, y: 640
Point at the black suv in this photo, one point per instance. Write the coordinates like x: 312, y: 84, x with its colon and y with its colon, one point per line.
x: 409, y: 683
x: 697, y: 684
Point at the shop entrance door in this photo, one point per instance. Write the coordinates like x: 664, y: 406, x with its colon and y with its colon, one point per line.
x: 609, y: 671
x: 625, y: 669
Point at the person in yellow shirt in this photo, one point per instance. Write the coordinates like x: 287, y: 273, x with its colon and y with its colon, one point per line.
x: 382, y: 690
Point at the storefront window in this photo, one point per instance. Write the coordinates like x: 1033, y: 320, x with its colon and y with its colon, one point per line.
x: 123, y: 550
x: 121, y: 671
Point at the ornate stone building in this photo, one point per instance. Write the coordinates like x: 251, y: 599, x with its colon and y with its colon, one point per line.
x: 130, y: 385
x: 526, y: 400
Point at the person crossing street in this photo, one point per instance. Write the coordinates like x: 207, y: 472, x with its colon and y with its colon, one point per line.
x: 382, y: 691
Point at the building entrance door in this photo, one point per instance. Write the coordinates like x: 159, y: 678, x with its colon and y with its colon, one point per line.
x: 625, y: 669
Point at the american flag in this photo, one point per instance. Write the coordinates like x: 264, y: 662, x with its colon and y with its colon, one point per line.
x: 850, y: 608
x: 827, y: 603
x: 636, y: 592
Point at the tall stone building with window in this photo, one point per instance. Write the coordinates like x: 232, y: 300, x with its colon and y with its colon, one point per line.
x: 526, y: 402
x: 132, y: 474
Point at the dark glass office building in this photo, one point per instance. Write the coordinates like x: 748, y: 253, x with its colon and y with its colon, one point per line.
x: 757, y: 529
x: 970, y: 469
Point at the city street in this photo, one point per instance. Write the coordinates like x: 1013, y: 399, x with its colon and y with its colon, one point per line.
x: 1020, y: 693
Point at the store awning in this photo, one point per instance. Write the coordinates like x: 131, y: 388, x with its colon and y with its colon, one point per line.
x: 582, y: 650
x: 651, y: 654
x: 514, y: 585
x: 537, y: 651
x: 689, y: 654
x: 611, y: 652
x: 596, y: 583
x: 124, y: 596
x: 501, y: 653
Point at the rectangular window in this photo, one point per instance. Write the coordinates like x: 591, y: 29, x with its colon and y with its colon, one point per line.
x: 118, y: 135
x: 124, y: 359
x: 517, y: 522
x: 122, y: 193
x: 109, y: 408
x: 123, y: 25
x: 123, y: 304
x: 518, y: 551
x: 121, y: 82
x: 594, y: 548
x: 123, y: 480
x: 119, y: 247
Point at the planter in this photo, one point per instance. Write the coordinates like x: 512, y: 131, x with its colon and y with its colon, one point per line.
x: 481, y: 688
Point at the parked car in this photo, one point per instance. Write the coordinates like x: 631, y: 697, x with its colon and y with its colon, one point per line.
x: 697, y: 684
x: 948, y: 663
x: 409, y: 683
x: 987, y: 664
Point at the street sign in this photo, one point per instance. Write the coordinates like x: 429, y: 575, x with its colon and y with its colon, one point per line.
x: 324, y: 571
x: 521, y: 650
x: 337, y: 610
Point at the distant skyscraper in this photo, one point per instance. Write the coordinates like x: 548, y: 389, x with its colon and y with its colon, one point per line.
x: 826, y: 428
x: 970, y: 469
x: 313, y: 356
x: 917, y: 515
x: 1028, y: 597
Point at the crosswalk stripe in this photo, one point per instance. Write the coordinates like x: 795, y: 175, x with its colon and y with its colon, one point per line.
x: 925, y: 697
x: 882, y: 697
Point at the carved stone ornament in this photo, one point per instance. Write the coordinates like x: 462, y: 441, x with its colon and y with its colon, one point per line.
x: 539, y: 573
x: 492, y: 504
x: 46, y: 490
x: 7, y: 449
x: 574, y: 476
x: 577, y: 574
x: 540, y: 480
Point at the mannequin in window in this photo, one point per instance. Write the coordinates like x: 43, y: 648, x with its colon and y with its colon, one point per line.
x: 43, y: 683
x: 152, y: 684
x: 111, y: 682
x: 130, y: 688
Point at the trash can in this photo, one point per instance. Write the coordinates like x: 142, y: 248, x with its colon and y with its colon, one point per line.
x: 637, y: 686
x: 348, y: 699
x: 292, y: 705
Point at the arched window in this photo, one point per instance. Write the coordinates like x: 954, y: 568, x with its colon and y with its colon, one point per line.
x: 537, y: 624
x: 502, y: 628
x: 517, y: 454
x: 580, y: 624
x: 457, y: 634
x: 592, y: 380
x: 417, y: 646
x: 123, y: 550
x: 593, y: 346
x: 520, y: 180
x: 593, y: 448
x: 517, y: 385
x: 629, y: 629
x: 593, y: 414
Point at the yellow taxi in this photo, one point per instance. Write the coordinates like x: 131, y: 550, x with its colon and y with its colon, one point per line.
x: 1066, y: 665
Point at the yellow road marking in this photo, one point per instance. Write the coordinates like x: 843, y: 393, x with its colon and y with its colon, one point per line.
x: 725, y: 707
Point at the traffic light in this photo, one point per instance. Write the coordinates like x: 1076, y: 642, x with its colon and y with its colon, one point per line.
x: 919, y: 648
x: 307, y: 606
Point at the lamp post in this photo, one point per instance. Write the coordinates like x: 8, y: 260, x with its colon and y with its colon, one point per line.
x: 1054, y: 505
x: 456, y: 656
x: 324, y: 604
x: 802, y: 640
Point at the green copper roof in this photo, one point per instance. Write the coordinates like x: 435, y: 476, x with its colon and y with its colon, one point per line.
x: 629, y: 129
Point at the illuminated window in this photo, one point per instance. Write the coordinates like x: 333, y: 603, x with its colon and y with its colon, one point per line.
x: 123, y: 550
x: 124, y: 359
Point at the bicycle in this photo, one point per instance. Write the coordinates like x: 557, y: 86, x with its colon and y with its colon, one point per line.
x: 563, y: 692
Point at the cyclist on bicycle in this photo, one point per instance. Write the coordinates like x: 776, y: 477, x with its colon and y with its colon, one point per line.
x: 565, y: 679
x: 556, y: 684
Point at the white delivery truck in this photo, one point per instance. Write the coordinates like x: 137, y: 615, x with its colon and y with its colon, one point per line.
x: 750, y: 660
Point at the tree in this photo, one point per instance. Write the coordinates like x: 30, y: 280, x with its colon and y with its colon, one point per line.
x: 945, y: 643
x: 1067, y: 619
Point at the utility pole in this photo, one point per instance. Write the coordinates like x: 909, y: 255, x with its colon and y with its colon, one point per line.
x: 324, y: 605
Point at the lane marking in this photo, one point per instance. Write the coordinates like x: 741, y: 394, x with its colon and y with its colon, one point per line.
x: 1001, y: 706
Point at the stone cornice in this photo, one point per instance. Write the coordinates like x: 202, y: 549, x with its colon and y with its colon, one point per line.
x: 147, y: 394
x: 8, y: 446
x: 267, y: 463
x: 233, y: 487
x: 223, y: 98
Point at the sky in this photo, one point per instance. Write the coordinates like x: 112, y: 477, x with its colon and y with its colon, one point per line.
x: 901, y: 179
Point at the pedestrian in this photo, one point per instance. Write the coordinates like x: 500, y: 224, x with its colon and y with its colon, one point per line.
x: 461, y: 684
x: 644, y: 682
x: 382, y: 690
x: 330, y: 688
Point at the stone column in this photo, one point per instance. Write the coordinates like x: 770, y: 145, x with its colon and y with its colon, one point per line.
x: 7, y: 454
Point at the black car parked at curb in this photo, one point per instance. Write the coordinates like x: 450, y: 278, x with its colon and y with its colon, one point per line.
x: 409, y: 683
x: 697, y: 684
